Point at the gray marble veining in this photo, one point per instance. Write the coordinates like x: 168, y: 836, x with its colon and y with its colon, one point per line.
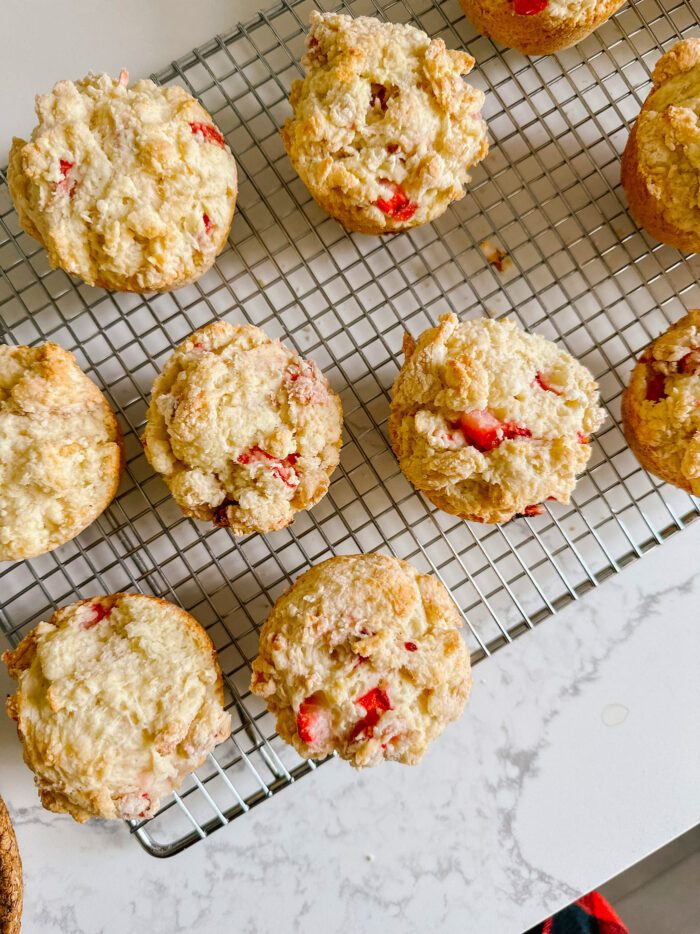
x: 579, y: 753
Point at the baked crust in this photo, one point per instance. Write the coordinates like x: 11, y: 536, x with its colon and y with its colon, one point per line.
x: 11, y: 884
x: 119, y: 698
x: 659, y: 167
x: 384, y: 128
x: 130, y: 189
x: 558, y: 26
x: 244, y: 431
x: 362, y: 656
x: 488, y: 422
x: 61, y: 450
x: 661, y: 405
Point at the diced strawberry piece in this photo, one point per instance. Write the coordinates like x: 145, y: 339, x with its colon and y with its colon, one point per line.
x: 282, y: 469
x: 482, y: 428
x: 375, y: 699
x: 656, y: 387
x: 313, y: 720
x: 208, y: 133
x: 484, y: 431
x: 529, y: 7
x: 513, y: 430
x: 208, y: 226
x: 302, y: 381
x: 123, y: 77
x: 67, y: 185
x: 410, y: 646
x: 534, y: 510
x: 690, y: 363
x: 147, y: 798
x: 398, y: 204
x: 582, y: 439
x: 96, y: 613
x: 376, y: 702
x: 540, y: 381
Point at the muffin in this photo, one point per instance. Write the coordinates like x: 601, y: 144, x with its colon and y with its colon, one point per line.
x: 61, y: 450
x: 660, y: 170
x: 384, y: 129
x: 538, y: 27
x: 661, y: 405
x: 11, y: 885
x: 130, y: 189
x: 362, y: 656
x: 244, y: 431
x: 488, y: 422
x: 118, y: 699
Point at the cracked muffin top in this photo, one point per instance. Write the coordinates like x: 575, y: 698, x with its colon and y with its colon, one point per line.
x: 61, y: 450
x: 362, y: 656
x: 661, y: 161
x: 384, y: 128
x: 119, y: 697
x: 488, y: 421
x: 129, y: 188
x: 245, y: 432
x: 661, y: 405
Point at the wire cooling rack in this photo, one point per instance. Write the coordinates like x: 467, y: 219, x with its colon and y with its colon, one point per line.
x: 580, y: 273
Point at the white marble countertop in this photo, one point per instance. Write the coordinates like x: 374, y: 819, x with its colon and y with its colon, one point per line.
x: 579, y: 752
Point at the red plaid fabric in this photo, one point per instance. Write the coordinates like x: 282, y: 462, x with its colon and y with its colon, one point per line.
x: 591, y: 914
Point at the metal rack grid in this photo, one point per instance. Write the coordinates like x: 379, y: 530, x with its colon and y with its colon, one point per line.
x: 581, y: 273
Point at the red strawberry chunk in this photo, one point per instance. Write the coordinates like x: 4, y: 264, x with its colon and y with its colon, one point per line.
x: 123, y: 78
x: 582, y: 439
x: 540, y: 381
x: 97, y: 612
x: 208, y: 133
x: 147, y: 798
x: 690, y: 363
x: 302, y: 381
x: 410, y: 646
x: 656, y: 387
x: 376, y: 702
x: 208, y: 226
x: 313, y: 720
x: 534, y: 510
x: 529, y: 7
x: 397, y: 205
x: 282, y: 469
x: 67, y: 185
x: 484, y: 431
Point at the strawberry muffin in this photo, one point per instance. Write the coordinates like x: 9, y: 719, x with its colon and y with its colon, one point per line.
x: 384, y: 129
x: 362, y: 656
x: 118, y: 699
x: 488, y: 422
x: 129, y: 188
x: 61, y: 450
x: 661, y: 405
x: 538, y: 27
x: 660, y: 168
x: 245, y: 432
x: 11, y: 882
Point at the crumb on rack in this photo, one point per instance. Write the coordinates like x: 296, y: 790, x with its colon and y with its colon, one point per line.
x: 494, y: 256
